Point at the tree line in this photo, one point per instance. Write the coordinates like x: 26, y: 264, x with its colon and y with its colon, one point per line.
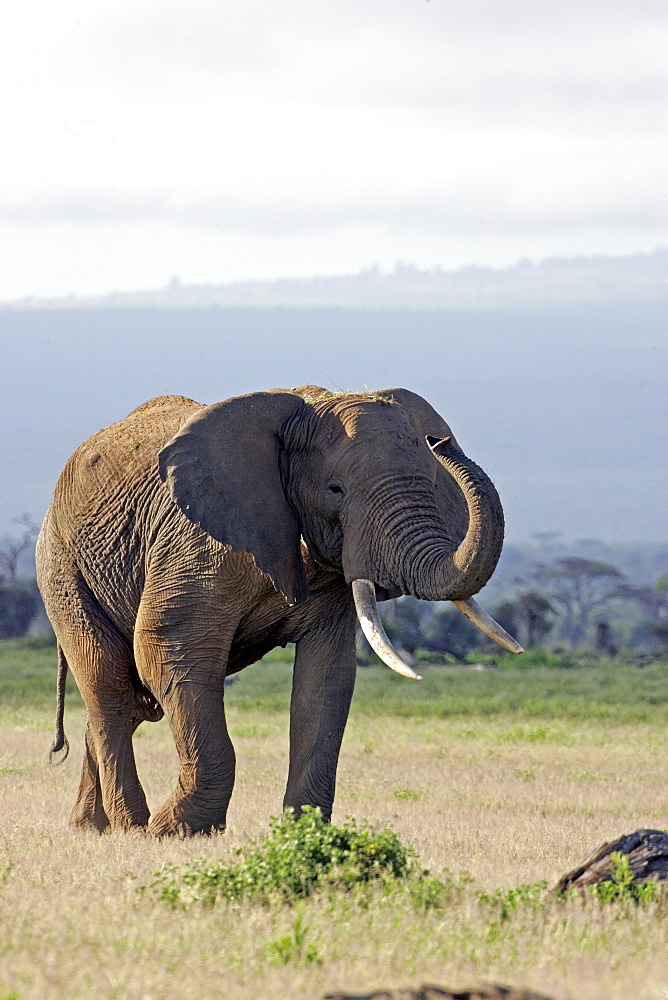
x: 570, y: 602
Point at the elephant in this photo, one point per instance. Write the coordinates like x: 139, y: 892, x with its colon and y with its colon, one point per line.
x: 186, y: 541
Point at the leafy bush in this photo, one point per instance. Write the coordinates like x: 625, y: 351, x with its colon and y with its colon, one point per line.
x: 620, y: 885
x: 18, y: 606
x: 304, y: 855
x: 297, y: 857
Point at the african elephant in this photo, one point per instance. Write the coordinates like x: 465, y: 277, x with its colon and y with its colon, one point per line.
x: 186, y: 541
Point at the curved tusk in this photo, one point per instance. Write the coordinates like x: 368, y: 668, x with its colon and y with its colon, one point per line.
x: 472, y: 610
x: 364, y: 594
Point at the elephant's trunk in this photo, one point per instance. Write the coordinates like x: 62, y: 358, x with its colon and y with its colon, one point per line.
x: 433, y: 568
x: 455, y: 575
x: 421, y: 557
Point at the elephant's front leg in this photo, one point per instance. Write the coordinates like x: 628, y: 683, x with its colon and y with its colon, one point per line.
x: 322, y: 688
x: 194, y: 707
x: 183, y: 633
x: 184, y: 668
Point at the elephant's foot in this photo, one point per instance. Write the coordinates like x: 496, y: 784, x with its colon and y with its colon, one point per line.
x: 85, y: 819
x: 188, y: 815
x: 88, y: 811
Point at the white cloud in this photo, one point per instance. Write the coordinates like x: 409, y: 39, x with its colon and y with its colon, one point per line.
x: 407, y: 128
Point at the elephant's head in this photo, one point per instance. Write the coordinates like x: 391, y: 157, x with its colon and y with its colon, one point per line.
x: 375, y: 483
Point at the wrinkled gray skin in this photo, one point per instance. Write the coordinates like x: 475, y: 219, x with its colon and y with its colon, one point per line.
x: 184, y: 542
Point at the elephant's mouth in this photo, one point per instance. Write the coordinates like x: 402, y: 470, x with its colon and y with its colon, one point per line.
x: 364, y: 594
x: 387, y: 593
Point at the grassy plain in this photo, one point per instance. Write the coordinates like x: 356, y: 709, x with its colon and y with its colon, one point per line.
x: 511, y: 776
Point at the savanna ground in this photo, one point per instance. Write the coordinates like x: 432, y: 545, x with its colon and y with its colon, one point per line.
x: 511, y: 776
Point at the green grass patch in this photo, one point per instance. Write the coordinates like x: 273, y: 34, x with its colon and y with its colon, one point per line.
x: 624, y: 693
x: 619, y: 693
x: 28, y: 674
x: 406, y: 794
x: 612, y: 691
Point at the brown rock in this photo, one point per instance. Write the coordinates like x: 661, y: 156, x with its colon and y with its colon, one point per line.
x: 489, y: 991
x: 647, y: 851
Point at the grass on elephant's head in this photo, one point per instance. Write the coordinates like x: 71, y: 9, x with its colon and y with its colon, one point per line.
x: 311, y: 394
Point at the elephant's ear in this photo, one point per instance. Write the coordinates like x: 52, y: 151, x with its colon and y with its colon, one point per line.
x: 427, y: 422
x: 222, y: 470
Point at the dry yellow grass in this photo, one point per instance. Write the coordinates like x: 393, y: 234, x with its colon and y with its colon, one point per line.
x: 510, y: 803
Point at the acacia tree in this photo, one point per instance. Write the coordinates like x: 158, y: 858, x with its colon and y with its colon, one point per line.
x: 18, y: 601
x: 448, y: 631
x: 584, y: 590
x: 653, y: 602
x: 529, y: 615
x: 11, y: 551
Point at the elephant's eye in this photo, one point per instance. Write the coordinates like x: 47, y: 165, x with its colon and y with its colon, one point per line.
x: 335, y: 488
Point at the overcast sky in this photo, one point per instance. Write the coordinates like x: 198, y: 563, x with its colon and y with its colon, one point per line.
x: 236, y: 139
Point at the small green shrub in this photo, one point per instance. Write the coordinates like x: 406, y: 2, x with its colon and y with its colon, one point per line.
x: 406, y: 793
x: 621, y: 886
x: 293, y: 946
x: 297, y: 857
x: 307, y: 854
x: 507, y: 900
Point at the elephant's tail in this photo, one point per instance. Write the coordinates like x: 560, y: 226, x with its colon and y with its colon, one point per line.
x: 60, y: 742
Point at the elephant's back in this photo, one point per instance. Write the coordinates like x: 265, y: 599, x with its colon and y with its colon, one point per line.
x: 109, y: 500
x: 163, y: 406
x: 116, y: 462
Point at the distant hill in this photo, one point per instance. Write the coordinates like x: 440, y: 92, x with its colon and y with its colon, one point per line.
x: 641, y: 278
x: 564, y: 406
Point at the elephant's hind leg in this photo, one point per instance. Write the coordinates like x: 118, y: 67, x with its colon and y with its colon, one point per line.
x: 101, y: 661
x: 88, y: 810
x: 109, y: 788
